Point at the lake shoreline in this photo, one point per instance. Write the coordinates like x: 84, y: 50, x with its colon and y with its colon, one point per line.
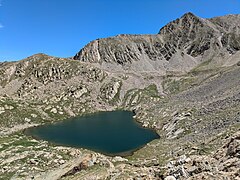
x: 123, y: 154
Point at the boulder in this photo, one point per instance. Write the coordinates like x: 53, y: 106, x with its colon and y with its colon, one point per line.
x: 54, y: 110
x: 118, y: 159
x: 170, y: 178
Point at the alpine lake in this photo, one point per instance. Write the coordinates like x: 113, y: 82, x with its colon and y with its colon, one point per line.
x: 111, y: 133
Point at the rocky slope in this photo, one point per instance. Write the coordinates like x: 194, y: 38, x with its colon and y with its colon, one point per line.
x: 183, y: 82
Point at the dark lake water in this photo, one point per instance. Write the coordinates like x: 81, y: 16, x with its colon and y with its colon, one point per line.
x: 111, y: 133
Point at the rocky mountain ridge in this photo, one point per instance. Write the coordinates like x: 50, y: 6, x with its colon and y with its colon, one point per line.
x: 179, y: 46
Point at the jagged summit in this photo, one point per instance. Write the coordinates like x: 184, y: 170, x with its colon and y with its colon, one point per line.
x: 184, y: 21
x: 189, y: 14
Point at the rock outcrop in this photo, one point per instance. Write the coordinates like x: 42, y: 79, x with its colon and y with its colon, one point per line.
x: 224, y: 164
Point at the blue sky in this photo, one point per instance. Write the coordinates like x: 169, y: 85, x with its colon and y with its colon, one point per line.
x: 61, y: 27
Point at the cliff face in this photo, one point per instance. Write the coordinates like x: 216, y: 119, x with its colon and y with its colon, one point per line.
x: 229, y: 26
x: 189, y: 34
x: 179, y: 46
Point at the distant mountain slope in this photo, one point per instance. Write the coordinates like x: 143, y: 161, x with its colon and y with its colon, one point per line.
x: 179, y: 46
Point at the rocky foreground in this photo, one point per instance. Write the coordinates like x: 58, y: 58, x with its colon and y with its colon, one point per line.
x: 183, y: 82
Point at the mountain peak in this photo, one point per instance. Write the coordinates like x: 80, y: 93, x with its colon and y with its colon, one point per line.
x: 186, y: 21
x: 189, y: 14
x: 39, y: 55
